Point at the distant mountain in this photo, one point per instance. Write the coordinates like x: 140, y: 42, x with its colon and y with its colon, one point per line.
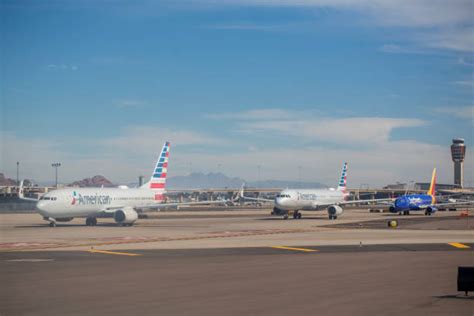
x: 96, y: 181
x: 6, y: 181
x: 285, y: 184
x: 199, y: 180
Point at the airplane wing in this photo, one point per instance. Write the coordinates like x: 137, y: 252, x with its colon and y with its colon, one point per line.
x: 241, y: 194
x: 161, y: 205
x: 454, y: 203
x: 257, y: 199
x: 356, y: 202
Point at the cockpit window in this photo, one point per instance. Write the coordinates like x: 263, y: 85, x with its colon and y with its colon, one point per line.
x: 284, y: 196
x: 48, y: 198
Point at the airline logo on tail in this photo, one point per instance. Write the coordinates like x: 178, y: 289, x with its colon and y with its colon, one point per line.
x: 432, y: 189
x: 158, y: 178
x: 342, y: 186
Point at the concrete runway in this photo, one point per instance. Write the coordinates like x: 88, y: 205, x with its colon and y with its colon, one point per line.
x: 336, y: 280
x: 248, y: 263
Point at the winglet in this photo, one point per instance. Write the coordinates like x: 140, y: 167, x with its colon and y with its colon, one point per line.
x: 241, y: 191
x: 21, y: 193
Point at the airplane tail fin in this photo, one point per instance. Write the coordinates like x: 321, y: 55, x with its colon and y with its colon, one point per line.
x: 432, y: 190
x: 342, y: 186
x: 158, y: 177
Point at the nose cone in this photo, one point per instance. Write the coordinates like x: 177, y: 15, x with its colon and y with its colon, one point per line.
x: 281, y: 202
x: 41, y: 207
x: 401, y: 202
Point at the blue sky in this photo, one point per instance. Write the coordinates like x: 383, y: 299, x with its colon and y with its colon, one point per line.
x: 100, y: 85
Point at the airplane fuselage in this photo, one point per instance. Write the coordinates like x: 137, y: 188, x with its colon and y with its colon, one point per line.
x: 412, y: 202
x: 291, y: 200
x: 85, y: 202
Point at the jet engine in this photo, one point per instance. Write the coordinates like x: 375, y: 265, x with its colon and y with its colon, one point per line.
x: 334, y: 211
x: 64, y: 219
x: 125, y: 217
x: 430, y: 210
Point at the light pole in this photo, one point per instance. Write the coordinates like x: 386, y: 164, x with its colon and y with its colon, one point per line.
x: 56, y: 165
x: 17, y: 173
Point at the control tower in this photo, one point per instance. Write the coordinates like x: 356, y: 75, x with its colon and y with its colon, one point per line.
x: 458, y: 152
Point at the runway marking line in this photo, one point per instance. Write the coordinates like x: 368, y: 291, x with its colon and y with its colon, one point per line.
x: 114, y: 253
x: 295, y: 249
x: 458, y: 245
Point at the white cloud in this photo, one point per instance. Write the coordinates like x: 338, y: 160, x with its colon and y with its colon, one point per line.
x: 256, y: 114
x: 62, y: 67
x: 397, y: 49
x: 463, y: 61
x: 426, y: 13
x: 452, y: 38
x: 436, y: 23
x: 462, y: 112
x: 402, y: 161
x: 150, y: 139
x: 308, y: 126
x: 123, y: 158
x: 465, y: 83
x: 242, y: 26
x: 129, y: 103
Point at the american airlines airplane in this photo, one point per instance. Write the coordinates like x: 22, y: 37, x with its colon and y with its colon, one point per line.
x: 295, y: 200
x: 63, y: 205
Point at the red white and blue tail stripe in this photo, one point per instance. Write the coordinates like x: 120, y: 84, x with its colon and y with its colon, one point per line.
x: 158, y: 178
x: 342, y: 186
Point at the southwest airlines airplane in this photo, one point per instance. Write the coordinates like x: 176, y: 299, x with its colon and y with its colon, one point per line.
x: 313, y: 199
x: 421, y: 202
x: 63, y: 205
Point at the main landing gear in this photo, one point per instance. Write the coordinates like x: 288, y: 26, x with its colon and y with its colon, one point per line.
x: 296, y: 214
x: 404, y: 213
x: 91, y: 221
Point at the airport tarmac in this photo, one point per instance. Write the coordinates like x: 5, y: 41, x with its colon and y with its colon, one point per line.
x: 248, y: 263
x: 242, y: 229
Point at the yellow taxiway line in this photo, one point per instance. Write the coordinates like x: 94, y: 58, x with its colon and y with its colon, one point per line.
x: 458, y: 245
x: 295, y: 249
x: 114, y: 253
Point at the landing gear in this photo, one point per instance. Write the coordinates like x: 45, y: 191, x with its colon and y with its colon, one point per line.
x: 91, y: 221
x: 52, y: 224
x: 404, y: 213
x: 428, y: 213
x: 285, y: 216
x: 296, y: 214
x: 332, y: 217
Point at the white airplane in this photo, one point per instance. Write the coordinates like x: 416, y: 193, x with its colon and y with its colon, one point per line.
x: 295, y: 200
x: 63, y: 205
